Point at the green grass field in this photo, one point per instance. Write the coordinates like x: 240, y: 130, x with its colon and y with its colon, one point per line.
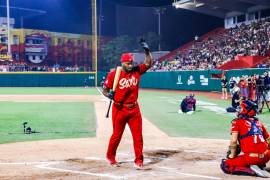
x: 161, y: 109
x: 56, y: 120
x: 52, y: 120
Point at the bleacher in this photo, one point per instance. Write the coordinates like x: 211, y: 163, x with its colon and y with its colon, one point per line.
x: 220, y: 46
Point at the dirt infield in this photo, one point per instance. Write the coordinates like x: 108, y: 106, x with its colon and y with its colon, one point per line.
x: 84, y: 158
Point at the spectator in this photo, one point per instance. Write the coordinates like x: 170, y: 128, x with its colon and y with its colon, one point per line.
x: 224, y: 84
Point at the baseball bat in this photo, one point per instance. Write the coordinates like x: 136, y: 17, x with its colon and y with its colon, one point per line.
x: 115, y: 82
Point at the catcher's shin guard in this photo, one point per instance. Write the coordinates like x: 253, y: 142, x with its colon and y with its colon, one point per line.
x: 224, y: 167
x: 246, y: 171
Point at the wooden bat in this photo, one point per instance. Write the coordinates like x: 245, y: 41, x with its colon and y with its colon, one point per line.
x: 115, y: 82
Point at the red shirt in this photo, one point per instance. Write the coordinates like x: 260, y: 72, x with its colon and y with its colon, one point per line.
x: 250, y: 144
x: 128, y: 85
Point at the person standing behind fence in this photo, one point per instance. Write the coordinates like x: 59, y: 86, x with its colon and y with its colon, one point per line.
x: 232, y: 82
x: 267, y: 87
x: 253, y: 88
x: 243, y: 87
x: 224, y: 84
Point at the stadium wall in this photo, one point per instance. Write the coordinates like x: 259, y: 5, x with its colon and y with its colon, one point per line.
x: 173, y: 80
x: 45, y: 79
x: 192, y: 80
x: 181, y: 80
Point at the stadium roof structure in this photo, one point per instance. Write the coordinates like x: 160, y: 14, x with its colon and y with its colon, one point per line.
x: 218, y: 8
x: 222, y: 8
x: 144, y: 3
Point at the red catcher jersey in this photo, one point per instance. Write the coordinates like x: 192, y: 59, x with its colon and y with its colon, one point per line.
x: 250, y: 144
x: 128, y: 85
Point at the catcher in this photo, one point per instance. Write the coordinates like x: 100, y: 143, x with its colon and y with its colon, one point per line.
x: 248, y: 150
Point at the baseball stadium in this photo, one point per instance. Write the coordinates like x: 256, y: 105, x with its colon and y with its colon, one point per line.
x: 117, y: 89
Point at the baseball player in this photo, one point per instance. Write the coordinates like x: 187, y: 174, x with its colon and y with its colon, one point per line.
x: 188, y: 105
x: 125, y: 108
x: 248, y: 135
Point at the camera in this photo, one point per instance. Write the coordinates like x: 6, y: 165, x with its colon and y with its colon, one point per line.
x: 260, y: 83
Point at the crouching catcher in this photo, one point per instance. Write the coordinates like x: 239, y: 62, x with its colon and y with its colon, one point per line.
x: 248, y: 150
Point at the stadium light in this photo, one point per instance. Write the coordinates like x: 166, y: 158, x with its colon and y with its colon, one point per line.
x: 179, y: 4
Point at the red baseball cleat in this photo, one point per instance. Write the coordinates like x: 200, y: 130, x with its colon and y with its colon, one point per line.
x: 138, y: 165
x: 112, y: 162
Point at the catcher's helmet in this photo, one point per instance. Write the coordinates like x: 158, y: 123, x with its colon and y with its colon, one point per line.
x: 248, y: 108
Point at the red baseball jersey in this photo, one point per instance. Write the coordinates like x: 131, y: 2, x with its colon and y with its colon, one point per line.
x: 254, y: 143
x: 128, y: 84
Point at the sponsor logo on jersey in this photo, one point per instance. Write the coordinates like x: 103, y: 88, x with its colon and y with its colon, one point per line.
x: 126, y: 83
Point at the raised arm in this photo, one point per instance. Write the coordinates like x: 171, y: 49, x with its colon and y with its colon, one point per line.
x: 148, y: 61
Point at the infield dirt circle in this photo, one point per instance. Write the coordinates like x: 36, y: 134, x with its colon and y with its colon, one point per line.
x: 84, y: 158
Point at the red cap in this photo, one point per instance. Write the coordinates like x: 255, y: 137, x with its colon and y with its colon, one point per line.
x: 127, y: 57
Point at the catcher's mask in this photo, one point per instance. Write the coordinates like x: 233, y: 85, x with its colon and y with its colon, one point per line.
x: 248, y: 108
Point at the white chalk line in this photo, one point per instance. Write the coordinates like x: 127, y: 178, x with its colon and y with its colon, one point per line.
x: 146, y: 159
x: 187, y: 174
x: 45, y: 166
x: 28, y: 163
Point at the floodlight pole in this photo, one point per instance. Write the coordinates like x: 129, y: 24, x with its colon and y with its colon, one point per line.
x: 94, y: 38
x: 158, y: 11
x: 101, y: 18
x: 8, y: 28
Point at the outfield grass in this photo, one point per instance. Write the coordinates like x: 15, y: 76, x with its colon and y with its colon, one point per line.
x: 54, y: 120
x: 161, y: 109
x: 77, y: 119
x: 49, y: 90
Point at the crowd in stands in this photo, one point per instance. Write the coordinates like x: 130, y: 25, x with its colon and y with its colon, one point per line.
x: 255, y: 88
x: 24, y: 67
x: 244, y: 40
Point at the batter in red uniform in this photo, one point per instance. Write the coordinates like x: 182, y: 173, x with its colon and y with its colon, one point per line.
x: 253, y: 140
x: 125, y: 109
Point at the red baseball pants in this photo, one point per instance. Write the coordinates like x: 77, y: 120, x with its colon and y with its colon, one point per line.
x: 131, y: 116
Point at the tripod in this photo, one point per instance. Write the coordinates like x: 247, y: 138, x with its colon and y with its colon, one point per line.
x: 262, y: 92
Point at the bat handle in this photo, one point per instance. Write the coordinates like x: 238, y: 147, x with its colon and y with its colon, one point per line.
x: 108, y: 111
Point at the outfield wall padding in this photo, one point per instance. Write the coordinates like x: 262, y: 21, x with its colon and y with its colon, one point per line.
x: 46, y: 79
x: 173, y: 80
x: 180, y: 80
x: 192, y: 80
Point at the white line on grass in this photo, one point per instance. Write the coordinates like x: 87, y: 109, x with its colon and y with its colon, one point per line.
x: 188, y: 174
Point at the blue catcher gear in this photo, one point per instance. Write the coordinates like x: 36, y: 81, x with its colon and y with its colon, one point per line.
x: 248, y: 109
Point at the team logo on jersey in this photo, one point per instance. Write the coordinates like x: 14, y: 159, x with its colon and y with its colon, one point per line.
x: 126, y: 83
